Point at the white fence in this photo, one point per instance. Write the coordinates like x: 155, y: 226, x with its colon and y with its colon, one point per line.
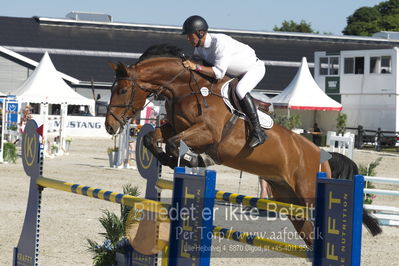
x: 386, y: 215
x: 126, y: 147
x: 342, y: 144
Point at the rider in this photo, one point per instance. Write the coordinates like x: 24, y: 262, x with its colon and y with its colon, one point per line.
x: 228, y: 55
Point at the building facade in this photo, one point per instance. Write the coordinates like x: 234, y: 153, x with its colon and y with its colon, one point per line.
x: 365, y: 82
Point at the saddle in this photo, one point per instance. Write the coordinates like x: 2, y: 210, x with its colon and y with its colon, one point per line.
x: 235, y: 101
x: 232, y: 101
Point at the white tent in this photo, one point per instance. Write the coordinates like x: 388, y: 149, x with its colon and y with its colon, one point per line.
x: 46, y: 85
x: 303, y: 93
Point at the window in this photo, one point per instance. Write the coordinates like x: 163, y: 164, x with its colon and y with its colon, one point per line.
x: 354, y: 65
x: 349, y: 65
x: 323, y: 65
x: 329, y: 65
x: 385, y: 64
x: 359, y: 65
x: 78, y: 110
x: 380, y: 64
x: 334, y: 66
x: 55, y: 109
x: 375, y: 64
x: 35, y: 108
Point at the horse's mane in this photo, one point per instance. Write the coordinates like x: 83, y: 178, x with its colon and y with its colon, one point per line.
x: 158, y: 50
x: 161, y: 50
x: 167, y: 50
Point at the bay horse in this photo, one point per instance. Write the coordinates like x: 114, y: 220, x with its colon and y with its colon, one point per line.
x: 287, y: 161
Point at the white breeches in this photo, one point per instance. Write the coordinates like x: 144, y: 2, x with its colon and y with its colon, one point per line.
x: 250, y: 79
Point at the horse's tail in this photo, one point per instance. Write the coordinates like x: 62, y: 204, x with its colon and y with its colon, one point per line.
x: 343, y: 167
x: 371, y: 223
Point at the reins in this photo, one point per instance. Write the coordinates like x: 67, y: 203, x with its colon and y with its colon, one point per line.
x: 157, y: 91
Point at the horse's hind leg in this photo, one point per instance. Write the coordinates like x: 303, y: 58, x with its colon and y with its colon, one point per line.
x: 305, y: 192
x: 284, y: 193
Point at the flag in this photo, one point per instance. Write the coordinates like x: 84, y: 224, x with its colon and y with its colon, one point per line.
x: 183, y: 148
x: 39, y: 131
x: 324, y: 156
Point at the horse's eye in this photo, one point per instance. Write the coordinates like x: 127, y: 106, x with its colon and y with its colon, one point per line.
x: 122, y: 91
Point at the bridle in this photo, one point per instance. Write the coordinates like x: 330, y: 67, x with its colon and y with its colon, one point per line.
x: 126, y: 106
x: 157, y: 91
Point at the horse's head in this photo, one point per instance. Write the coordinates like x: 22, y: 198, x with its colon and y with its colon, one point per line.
x: 158, y: 71
x: 127, y: 97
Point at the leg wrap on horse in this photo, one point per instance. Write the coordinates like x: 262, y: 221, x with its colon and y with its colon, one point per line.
x: 258, y: 134
x: 192, y: 159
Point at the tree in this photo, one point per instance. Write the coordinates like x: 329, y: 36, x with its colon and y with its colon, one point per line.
x: 366, y: 21
x: 292, y: 26
x: 341, y: 123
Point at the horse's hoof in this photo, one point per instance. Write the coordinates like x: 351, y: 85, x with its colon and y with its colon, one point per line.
x: 167, y: 160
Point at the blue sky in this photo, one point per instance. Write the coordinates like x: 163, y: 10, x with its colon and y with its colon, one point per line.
x: 262, y: 15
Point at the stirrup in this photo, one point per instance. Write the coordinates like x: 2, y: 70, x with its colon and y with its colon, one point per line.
x: 257, y: 140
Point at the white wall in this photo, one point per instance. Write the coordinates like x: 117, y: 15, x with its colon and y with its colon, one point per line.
x: 371, y: 111
x: 12, y: 75
x: 397, y: 113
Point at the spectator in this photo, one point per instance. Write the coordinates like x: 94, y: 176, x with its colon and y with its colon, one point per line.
x: 316, y: 135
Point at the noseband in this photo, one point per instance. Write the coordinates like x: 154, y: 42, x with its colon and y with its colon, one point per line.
x: 126, y: 106
x: 133, y: 79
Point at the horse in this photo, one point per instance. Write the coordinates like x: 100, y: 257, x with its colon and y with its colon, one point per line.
x: 287, y: 161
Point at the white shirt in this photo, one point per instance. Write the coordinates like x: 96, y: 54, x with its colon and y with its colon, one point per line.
x: 226, y: 54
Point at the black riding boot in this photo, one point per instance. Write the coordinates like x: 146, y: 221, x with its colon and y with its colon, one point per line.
x: 258, y: 134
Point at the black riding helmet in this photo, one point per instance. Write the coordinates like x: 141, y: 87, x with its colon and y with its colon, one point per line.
x: 194, y: 24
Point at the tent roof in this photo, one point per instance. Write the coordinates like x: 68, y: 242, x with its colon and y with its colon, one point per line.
x: 46, y: 85
x: 304, y: 93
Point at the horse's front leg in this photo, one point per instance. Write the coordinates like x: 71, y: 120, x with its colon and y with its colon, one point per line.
x: 159, y: 135
x: 196, y: 136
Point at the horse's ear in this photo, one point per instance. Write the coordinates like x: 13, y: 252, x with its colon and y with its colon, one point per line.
x: 120, y: 69
x: 113, y: 66
x: 123, y: 68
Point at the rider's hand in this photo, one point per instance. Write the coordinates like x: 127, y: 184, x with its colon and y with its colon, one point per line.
x: 190, y: 65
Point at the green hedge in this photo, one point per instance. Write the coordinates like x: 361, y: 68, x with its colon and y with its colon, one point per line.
x: 9, y: 152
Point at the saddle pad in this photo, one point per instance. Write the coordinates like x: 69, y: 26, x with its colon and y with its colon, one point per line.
x: 264, y: 119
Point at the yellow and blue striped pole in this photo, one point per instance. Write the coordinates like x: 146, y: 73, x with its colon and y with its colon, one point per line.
x: 292, y: 210
x: 157, y: 207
